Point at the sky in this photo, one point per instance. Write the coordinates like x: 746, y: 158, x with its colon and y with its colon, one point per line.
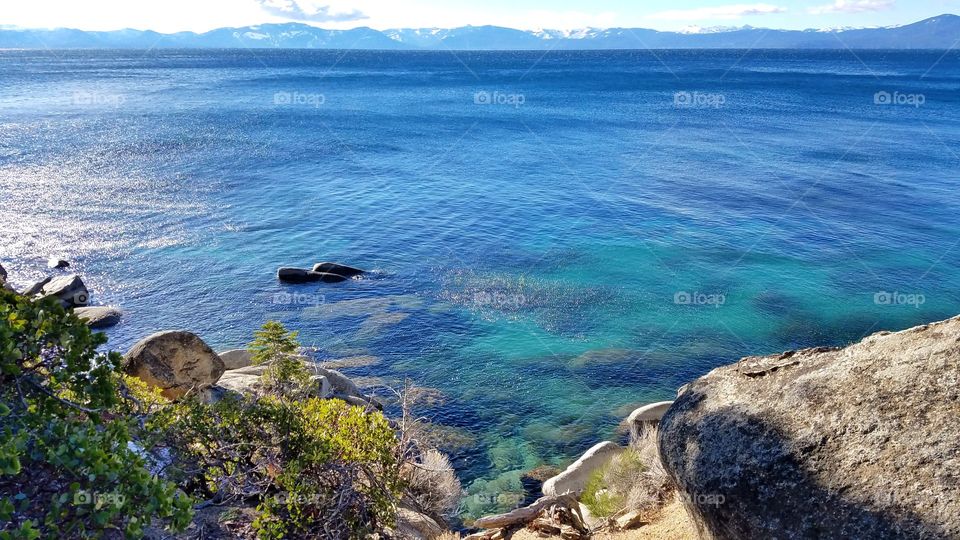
x: 203, y: 15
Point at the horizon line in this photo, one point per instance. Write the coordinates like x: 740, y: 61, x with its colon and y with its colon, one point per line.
x: 719, y: 28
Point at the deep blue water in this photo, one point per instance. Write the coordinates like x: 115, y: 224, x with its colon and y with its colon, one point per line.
x: 531, y: 219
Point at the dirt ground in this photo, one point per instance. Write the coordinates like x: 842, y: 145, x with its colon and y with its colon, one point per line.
x: 672, y: 523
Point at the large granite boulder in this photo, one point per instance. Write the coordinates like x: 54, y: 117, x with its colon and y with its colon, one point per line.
x: 861, y: 442
x: 98, y: 317
x: 70, y: 290
x: 575, y: 477
x: 175, y: 361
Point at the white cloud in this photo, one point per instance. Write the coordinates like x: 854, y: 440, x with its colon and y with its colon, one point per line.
x: 852, y: 6
x: 733, y: 11
x: 304, y: 10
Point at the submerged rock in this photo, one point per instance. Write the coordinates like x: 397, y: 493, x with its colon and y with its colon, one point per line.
x: 70, y: 290
x: 98, y: 317
x: 861, y: 442
x: 175, y: 361
x: 574, y: 478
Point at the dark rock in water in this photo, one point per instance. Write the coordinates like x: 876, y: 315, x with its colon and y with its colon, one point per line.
x: 294, y: 275
x: 70, y: 290
x: 299, y: 275
x: 3, y: 274
x: 98, y: 316
x: 861, y: 442
x: 56, y: 263
x: 327, y: 277
x: 37, y: 287
x: 338, y: 269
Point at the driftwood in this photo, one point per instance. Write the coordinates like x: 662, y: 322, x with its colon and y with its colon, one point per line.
x: 522, y: 516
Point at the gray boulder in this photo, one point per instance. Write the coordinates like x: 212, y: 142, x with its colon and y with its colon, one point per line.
x: 98, y: 317
x: 176, y: 362
x: 55, y: 263
x: 340, y: 384
x: 70, y: 290
x: 861, y: 442
x: 236, y: 359
x: 574, y: 478
x: 35, y: 289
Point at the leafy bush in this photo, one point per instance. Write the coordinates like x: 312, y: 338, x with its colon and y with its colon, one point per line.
x: 66, y: 463
x: 314, y: 467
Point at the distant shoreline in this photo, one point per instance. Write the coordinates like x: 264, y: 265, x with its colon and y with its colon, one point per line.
x: 935, y: 33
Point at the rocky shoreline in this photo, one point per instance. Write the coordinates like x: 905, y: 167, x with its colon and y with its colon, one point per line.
x: 854, y: 442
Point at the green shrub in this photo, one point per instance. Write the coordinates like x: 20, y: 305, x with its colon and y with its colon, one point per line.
x: 609, y: 487
x: 67, y: 467
x: 314, y: 467
x: 276, y: 348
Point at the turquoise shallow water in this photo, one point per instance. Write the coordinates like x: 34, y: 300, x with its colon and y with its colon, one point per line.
x: 554, y: 238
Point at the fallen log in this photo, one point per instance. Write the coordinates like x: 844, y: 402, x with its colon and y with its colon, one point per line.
x: 522, y: 516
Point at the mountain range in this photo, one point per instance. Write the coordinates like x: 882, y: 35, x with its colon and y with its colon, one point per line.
x: 942, y: 32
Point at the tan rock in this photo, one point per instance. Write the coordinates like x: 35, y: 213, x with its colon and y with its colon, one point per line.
x: 174, y: 361
x: 412, y: 525
x: 630, y: 520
